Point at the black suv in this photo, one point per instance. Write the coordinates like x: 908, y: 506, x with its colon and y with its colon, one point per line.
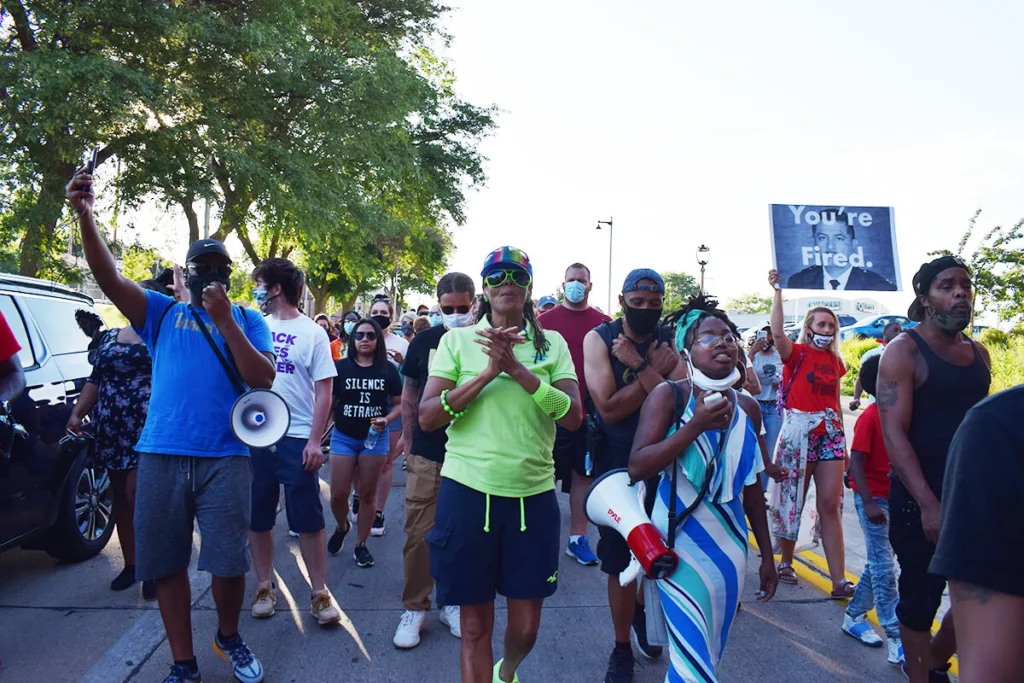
x: 51, y: 496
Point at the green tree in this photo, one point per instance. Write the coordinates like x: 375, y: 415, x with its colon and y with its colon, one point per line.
x: 139, y: 263
x: 678, y: 288
x: 997, y: 268
x: 751, y: 303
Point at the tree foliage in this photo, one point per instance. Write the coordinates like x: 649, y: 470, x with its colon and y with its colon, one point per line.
x: 997, y: 268
x: 323, y: 130
x: 752, y: 303
x: 678, y: 288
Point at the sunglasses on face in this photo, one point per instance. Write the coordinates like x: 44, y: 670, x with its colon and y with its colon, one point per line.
x: 203, y: 269
x: 367, y: 336
x: 450, y: 310
x: 707, y: 339
x: 496, y: 278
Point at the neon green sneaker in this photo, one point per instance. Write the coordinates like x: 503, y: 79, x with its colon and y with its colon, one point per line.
x: 497, y: 679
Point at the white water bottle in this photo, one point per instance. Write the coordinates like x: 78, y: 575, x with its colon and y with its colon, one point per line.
x: 371, y: 438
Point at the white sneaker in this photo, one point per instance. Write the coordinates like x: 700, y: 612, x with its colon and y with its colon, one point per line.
x: 860, y: 629
x: 896, y: 651
x: 451, y: 617
x: 408, y: 633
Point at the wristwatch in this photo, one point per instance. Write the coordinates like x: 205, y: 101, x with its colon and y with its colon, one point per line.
x: 640, y: 368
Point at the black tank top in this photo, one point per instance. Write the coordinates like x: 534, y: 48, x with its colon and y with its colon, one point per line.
x: 620, y: 434
x: 940, y: 405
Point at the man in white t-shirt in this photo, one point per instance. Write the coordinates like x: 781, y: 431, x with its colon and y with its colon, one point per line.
x: 305, y: 370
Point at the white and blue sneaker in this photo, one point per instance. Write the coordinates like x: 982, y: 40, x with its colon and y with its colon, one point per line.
x: 860, y: 629
x: 896, y: 651
x: 581, y: 552
x: 246, y: 667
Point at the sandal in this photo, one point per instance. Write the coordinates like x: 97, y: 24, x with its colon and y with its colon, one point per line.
x: 786, y: 573
x: 844, y: 591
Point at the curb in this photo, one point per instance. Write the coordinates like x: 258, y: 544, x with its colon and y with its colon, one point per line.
x: 813, y: 569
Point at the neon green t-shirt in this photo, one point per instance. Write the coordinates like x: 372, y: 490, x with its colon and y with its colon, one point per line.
x: 502, y: 445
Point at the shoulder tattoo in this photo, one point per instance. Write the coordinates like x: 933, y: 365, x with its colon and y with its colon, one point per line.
x: 888, y: 395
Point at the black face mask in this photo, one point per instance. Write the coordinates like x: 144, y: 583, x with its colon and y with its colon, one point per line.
x: 383, y: 320
x: 197, y: 283
x: 643, y: 321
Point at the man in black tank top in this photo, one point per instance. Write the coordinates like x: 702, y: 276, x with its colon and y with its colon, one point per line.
x: 928, y: 379
x: 623, y: 361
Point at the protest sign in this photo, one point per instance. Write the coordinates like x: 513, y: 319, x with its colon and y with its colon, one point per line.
x: 832, y: 247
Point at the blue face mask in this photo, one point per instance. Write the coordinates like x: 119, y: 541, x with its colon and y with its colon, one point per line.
x: 575, y: 292
x: 435, y: 319
x: 349, y: 326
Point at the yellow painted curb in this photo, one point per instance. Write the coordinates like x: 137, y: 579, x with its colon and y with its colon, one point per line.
x: 813, y: 569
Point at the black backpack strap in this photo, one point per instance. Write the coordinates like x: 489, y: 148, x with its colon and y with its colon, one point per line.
x: 236, y: 381
x: 677, y: 415
x: 159, y: 324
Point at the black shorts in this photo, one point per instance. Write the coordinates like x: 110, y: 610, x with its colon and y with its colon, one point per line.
x: 517, y: 554
x: 920, y: 591
x: 570, y: 453
x: 612, y: 549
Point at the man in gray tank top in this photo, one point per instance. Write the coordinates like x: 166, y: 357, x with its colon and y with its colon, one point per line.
x: 928, y: 378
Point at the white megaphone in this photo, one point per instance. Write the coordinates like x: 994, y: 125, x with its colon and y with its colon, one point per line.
x: 614, y: 502
x: 260, y: 418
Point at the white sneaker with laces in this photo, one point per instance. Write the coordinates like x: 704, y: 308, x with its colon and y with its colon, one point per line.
x: 896, y: 651
x: 451, y: 617
x: 408, y: 634
x: 861, y: 630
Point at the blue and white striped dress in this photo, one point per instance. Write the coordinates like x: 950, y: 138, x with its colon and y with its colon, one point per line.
x: 700, y: 598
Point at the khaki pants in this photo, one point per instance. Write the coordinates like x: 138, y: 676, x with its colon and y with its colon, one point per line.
x: 423, y: 481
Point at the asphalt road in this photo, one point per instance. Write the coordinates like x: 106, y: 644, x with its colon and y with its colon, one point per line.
x: 62, y: 624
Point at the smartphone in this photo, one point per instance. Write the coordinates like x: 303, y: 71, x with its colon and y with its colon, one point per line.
x: 90, y: 167
x: 763, y: 334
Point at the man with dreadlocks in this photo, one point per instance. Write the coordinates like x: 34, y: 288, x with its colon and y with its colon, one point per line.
x: 709, y: 462
x: 500, y: 387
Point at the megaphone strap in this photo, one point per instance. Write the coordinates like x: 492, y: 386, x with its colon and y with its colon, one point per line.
x: 236, y: 381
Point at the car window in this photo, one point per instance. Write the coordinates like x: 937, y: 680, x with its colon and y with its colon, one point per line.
x: 17, y: 325
x: 56, y: 320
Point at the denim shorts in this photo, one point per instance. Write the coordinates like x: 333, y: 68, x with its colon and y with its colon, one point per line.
x: 395, y: 426
x: 342, y: 444
x: 272, y: 469
x: 483, y: 545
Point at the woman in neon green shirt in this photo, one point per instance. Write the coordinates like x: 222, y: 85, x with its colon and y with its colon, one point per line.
x: 499, y: 387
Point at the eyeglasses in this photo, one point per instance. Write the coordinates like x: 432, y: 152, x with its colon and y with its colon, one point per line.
x: 368, y: 336
x: 496, y: 278
x: 449, y: 310
x: 203, y: 269
x: 707, y: 339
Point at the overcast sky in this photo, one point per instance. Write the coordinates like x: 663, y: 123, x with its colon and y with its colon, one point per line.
x: 685, y: 120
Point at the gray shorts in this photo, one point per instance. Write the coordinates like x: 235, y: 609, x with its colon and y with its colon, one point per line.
x: 172, y: 492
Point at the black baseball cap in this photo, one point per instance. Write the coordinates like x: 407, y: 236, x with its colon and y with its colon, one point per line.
x: 204, y: 247
x: 923, y: 281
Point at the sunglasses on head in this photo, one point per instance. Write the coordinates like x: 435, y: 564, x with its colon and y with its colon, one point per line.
x: 202, y: 269
x: 450, y: 310
x: 708, y: 339
x: 368, y: 336
x: 496, y: 278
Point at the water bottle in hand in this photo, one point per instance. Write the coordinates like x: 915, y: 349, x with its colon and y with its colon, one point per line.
x: 371, y: 437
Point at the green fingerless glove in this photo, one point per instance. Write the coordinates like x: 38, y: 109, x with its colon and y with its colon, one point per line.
x: 554, y: 402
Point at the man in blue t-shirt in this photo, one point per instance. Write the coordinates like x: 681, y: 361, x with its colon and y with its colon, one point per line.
x: 192, y: 468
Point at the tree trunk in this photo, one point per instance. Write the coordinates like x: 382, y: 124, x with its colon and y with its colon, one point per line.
x: 319, y: 299
x: 41, y: 223
x: 349, y: 304
x: 193, y: 221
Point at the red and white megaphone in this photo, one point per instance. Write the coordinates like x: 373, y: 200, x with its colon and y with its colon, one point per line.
x: 614, y: 502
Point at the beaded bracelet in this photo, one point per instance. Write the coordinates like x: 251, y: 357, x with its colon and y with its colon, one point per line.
x: 448, y: 408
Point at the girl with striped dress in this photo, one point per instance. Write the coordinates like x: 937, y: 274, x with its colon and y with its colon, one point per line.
x: 715, y: 449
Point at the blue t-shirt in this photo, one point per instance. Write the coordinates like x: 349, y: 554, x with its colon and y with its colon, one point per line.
x: 190, y: 404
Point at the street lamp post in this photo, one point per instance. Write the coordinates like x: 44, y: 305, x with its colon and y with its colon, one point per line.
x: 703, y: 256
x: 610, y: 235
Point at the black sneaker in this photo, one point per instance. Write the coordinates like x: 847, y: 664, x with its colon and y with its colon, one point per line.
x: 638, y: 634
x: 378, y: 524
x: 149, y: 590
x: 124, y: 580
x: 620, y: 665
x: 362, y: 556
x: 183, y: 674
x: 337, y: 540
x: 353, y: 510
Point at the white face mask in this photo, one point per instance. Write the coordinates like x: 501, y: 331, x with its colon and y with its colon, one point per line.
x: 822, y: 341
x: 701, y: 380
x: 457, y: 320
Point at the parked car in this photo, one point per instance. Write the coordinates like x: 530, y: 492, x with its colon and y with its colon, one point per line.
x: 51, y: 496
x: 871, y: 328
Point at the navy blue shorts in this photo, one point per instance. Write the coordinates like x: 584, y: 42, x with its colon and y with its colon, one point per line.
x: 271, y: 470
x: 471, y: 565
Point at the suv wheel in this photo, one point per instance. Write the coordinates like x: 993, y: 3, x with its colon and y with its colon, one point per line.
x: 85, y: 522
